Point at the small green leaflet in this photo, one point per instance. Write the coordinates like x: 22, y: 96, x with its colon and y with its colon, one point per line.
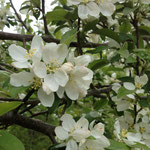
x: 8, y: 106
x: 10, y: 142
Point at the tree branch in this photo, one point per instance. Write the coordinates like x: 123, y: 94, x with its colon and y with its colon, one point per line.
x: 21, y: 37
x: 34, y: 124
x: 19, y: 18
x: 44, y: 18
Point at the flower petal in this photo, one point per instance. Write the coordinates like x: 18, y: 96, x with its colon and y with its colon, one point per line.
x: 61, y: 77
x: 50, y: 53
x: 68, y: 122
x: 51, y: 82
x: 62, y: 51
x: 46, y: 100
x: 39, y: 69
x: 60, y: 92
x: 129, y: 85
x: 72, y: 145
x: 21, y: 79
x: 83, y: 11
x: 83, y: 60
x: 93, y: 9
x: 61, y: 133
x: 17, y: 53
x: 72, y: 91
x: 21, y: 64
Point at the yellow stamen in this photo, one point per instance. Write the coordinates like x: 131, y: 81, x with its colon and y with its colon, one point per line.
x: 36, y: 83
x: 30, y: 53
x: 124, y: 133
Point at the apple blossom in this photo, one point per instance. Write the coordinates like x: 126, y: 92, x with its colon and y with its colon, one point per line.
x: 22, y: 57
x: 71, y: 131
x: 77, y: 134
x: 80, y: 77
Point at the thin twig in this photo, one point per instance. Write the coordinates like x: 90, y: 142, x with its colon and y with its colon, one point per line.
x: 19, y: 18
x: 44, y: 18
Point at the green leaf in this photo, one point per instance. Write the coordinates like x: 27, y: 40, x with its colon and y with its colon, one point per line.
x: 100, y: 104
x: 123, y: 92
x: 97, y: 49
x: 7, y: 106
x: 131, y: 59
x: 108, y: 33
x: 96, y: 64
x: 128, y: 10
x: 69, y: 37
x: 141, y: 146
x: 114, y: 145
x: 125, y: 27
x: 56, y: 15
x: 10, y: 142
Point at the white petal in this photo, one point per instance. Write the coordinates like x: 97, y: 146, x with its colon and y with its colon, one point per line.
x: 74, y: 2
x: 82, y: 123
x: 60, y: 92
x: 99, y: 128
x: 61, y: 133
x: 123, y: 105
x: 107, y: 8
x: 46, y: 88
x: 46, y: 100
x: 17, y: 53
x: 93, y: 9
x: 50, y: 53
x: 72, y: 91
x: 144, y: 79
x: 21, y: 79
x: 21, y: 64
x: 83, y: 60
x: 62, y: 51
x: 72, y: 145
x: 51, y: 82
x: 83, y: 11
x: 39, y: 69
x: 61, y: 77
x: 129, y: 85
x: 68, y: 122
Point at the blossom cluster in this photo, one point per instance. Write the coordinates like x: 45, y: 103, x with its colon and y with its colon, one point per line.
x: 125, y: 102
x: 92, y: 8
x: 132, y: 131
x: 51, y: 68
x: 4, y: 11
x: 80, y: 135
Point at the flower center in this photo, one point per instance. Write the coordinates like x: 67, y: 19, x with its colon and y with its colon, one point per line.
x: 99, y: 1
x: 52, y: 66
x: 36, y: 83
x: 138, y: 85
x: 142, y: 129
x: 85, y: 1
x: 30, y: 53
x: 124, y: 133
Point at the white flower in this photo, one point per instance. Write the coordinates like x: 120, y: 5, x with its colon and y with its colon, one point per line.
x: 129, y: 85
x: 86, y: 8
x: 140, y: 81
x: 80, y: 77
x: 107, y: 7
x: 145, y: 1
x: 54, y: 76
x: 99, y: 142
x: 22, y: 57
x: 74, y: 131
x: 29, y: 78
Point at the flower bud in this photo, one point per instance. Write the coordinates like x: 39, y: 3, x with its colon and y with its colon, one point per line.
x: 67, y: 67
